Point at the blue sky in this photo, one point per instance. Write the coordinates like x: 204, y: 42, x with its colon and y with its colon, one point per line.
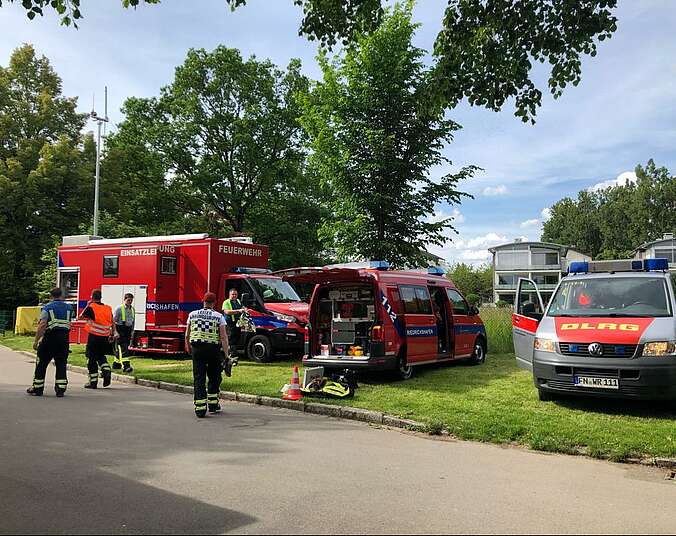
x: 622, y: 113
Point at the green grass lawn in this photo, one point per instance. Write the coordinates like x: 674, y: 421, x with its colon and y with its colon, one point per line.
x: 495, y: 402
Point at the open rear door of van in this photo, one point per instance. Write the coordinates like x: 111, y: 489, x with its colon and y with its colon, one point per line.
x: 528, y: 310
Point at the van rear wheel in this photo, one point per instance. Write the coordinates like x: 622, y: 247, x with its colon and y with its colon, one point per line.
x: 404, y: 370
x: 259, y: 349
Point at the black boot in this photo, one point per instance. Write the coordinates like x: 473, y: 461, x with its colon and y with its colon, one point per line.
x: 214, y: 408
x: 34, y: 391
x: 90, y: 386
x: 60, y: 393
x: 201, y: 413
x: 106, y: 378
x: 116, y: 365
x: 127, y: 368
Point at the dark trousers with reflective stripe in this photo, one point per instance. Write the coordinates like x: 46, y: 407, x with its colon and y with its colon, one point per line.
x: 206, y: 365
x: 122, y: 347
x: 97, y: 349
x: 54, y: 345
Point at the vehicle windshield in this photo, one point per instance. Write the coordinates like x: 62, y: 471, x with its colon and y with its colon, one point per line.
x: 611, y: 296
x: 274, y: 290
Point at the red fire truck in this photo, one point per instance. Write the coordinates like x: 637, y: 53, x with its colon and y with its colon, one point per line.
x: 168, y: 275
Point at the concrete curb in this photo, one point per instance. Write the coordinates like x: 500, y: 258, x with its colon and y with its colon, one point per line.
x: 328, y: 410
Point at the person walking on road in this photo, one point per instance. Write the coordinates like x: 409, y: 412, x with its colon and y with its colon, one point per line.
x: 51, y: 342
x: 102, y: 333
x: 232, y: 309
x: 205, y: 339
x: 124, y: 318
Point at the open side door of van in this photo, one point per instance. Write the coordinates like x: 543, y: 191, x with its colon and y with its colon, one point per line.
x: 528, y: 311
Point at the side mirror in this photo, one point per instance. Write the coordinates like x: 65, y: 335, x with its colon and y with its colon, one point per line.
x: 473, y: 310
x: 247, y: 300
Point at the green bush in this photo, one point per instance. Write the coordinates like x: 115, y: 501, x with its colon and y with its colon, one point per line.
x: 474, y: 299
x: 498, y: 322
x: 502, y: 304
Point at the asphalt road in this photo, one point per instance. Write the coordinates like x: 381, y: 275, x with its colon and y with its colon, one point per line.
x: 129, y: 460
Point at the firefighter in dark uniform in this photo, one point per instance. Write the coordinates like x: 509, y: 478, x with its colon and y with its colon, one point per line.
x: 205, y: 339
x: 51, y: 342
x: 102, y: 333
x: 124, y: 318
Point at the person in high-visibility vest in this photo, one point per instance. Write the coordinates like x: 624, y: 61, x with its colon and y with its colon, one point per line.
x: 232, y: 310
x: 102, y: 333
x: 51, y: 342
x: 204, y: 337
x: 124, y: 318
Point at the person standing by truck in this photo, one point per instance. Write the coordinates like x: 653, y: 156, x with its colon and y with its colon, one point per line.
x: 102, y: 333
x: 205, y: 337
x: 124, y: 318
x: 232, y: 309
x: 51, y: 342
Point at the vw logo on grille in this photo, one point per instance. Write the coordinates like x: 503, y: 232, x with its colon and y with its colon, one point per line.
x: 595, y: 349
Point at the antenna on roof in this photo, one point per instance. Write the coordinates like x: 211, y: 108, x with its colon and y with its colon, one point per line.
x: 100, y: 121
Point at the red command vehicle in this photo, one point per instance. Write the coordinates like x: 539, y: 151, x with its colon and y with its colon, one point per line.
x: 375, y: 318
x: 168, y: 276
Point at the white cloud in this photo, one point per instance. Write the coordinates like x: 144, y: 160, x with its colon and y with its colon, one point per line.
x: 455, y: 214
x: 546, y: 213
x: 475, y: 255
x: 529, y: 223
x: 622, y: 180
x: 495, y: 190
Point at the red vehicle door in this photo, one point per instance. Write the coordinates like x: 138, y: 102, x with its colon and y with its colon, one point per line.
x: 528, y: 310
x: 420, y: 323
x: 463, y: 324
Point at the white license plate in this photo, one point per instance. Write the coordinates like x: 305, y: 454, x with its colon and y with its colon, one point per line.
x: 597, y: 383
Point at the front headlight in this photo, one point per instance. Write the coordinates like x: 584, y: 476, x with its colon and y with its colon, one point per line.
x: 545, y: 345
x: 285, y: 318
x: 659, y: 348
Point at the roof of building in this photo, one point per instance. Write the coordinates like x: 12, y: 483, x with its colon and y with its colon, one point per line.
x: 562, y: 248
x: 666, y: 237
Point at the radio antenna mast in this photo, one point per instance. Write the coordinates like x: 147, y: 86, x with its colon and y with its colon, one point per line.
x: 100, y: 121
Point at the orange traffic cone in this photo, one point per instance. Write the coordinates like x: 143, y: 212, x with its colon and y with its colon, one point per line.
x: 294, y: 389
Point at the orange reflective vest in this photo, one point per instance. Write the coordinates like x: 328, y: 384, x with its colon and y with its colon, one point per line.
x: 103, y: 320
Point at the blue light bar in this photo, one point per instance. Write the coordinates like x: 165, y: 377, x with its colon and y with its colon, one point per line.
x: 656, y: 264
x: 248, y: 270
x: 379, y: 265
x: 580, y: 267
x: 436, y: 270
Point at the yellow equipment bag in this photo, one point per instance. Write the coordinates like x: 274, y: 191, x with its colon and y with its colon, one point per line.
x: 27, y: 320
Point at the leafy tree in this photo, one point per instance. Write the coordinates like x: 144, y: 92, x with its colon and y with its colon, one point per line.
x: 484, y: 51
x: 44, y: 169
x: 471, y: 280
x: 226, y: 130
x: 611, y: 223
x: 374, y: 140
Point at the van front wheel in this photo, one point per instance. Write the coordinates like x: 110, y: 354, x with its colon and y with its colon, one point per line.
x: 479, y: 354
x: 259, y: 349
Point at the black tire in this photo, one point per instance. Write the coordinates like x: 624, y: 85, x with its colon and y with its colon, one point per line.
x: 479, y: 354
x: 259, y: 349
x: 404, y: 370
x: 545, y: 396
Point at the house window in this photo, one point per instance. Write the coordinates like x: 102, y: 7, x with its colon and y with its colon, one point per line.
x: 111, y: 266
x: 510, y: 259
x: 168, y: 265
x: 543, y: 257
x: 669, y: 254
